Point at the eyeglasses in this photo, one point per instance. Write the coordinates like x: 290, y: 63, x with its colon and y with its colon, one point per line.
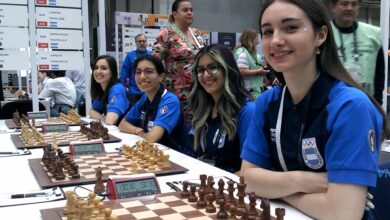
x: 212, y: 69
x: 147, y: 71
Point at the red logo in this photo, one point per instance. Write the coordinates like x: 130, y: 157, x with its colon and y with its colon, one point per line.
x: 43, y: 45
x: 43, y: 67
x: 42, y: 23
x: 41, y: 2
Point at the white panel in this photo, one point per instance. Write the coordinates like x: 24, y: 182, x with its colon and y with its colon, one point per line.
x: 15, y: 2
x: 64, y: 3
x: 60, y: 60
x: 14, y: 60
x: 58, y: 17
x: 13, y: 15
x: 59, y: 39
x: 11, y: 37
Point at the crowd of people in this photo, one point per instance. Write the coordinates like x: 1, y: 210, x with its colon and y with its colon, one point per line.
x: 310, y: 140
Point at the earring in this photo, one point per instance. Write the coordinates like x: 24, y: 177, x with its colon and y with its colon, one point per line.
x: 318, y: 51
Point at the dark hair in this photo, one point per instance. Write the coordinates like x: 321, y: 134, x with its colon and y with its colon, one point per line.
x: 328, y: 61
x: 335, y: 1
x: 96, y: 89
x: 138, y: 35
x: 57, y: 73
x: 154, y: 60
x: 233, y: 98
x: 175, y: 6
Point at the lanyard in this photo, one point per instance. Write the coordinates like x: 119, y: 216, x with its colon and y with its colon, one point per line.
x: 355, y: 46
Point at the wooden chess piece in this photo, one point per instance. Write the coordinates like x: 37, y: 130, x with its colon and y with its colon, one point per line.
x: 203, y: 178
x: 221, y: 195
x: 222, y: 214
x: 230, y: 198
x: 99, y: 187
x: 210, y: 208
x: 192, y: 197
x: 265, y: 206
x: 232, y: 210
x: 185, y: 193
x: 240, y: 205
x: 280, y: 213
x: 59, y: 173
x: 201, y: 201
x: 252, y: 213
x: 76, y: 173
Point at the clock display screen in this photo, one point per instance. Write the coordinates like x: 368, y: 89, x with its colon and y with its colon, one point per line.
x: 56, y: 127
x: 36, y: 115
x: 88, y: 149
x: 136, y: 188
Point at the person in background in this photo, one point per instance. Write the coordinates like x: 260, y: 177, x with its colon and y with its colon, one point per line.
x: 78, y: 79
x: 317, y: 138
x: 61, y: 91
x: 359, y: 47
x: 157, y: 116
x: 109, y: 100
x: 43, y: 78
x: 221, y: 106
x: 249, y: 62
x: 177, y: 46
x: 127, y: 70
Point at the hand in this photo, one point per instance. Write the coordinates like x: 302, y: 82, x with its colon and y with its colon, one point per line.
x: 139, y: 131
x: 262, y: 71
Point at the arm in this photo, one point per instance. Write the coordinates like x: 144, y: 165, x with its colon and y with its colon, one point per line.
x: 346, y: 201
x: 111, y: 118
x: 154, y: 135
x: 255, y: 72
x: 160, y: 46
x: 125, y: 70
x: 127, y: 127
x: 379, y: 81
x: 271, y: 184
x: 95, y: 114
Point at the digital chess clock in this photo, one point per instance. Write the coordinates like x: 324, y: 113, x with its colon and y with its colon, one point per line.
x: 86, y: 147
x: 54, y: 127
x: 125, y: 186
x: 37, y: 115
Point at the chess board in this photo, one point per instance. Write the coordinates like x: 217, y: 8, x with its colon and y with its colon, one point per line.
x: 11, y: 124
x: 169, y: 206
x: 111, y: 163
x: 63, y: 139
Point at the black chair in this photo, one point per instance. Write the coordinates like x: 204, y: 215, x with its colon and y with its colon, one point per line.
x: 23, y: 106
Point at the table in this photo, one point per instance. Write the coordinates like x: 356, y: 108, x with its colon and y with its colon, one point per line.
x: 23, y: 179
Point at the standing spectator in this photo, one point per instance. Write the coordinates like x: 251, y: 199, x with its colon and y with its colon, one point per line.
x: 127, y: 71
x: 249, y: 62
x: 177, y: 46
x: 78, y: 79
x: 61, y: 91
x: 359, y: 47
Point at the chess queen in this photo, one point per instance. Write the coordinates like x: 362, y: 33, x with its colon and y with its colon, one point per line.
x: 221, y: 108
x: 108, y: 94
x: 314, y: 141
x: 157, y: 116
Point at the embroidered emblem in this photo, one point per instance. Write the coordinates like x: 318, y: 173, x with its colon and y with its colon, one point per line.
x: 371, y: 139
x: 164, y: 110
x: 113, y: 99
x: 311, y: 154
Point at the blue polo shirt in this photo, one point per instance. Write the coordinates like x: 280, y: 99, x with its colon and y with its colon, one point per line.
x: 341, y: 135
x: 116, y: 102
x: 168, y: 114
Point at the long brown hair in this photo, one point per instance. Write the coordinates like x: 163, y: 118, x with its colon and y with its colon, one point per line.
x: 328, y: 61
x: 247, y: 40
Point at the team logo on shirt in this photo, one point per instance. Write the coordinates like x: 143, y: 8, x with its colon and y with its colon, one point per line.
x: 113, y: 99
x: 164, y: 110
x: 371, y: 139
x: 311, y: 154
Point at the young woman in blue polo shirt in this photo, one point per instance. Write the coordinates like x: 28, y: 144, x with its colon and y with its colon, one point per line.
x: 221, y: 107
x: 315, y: 140
x: 109, y: 100
x: 157, y: 116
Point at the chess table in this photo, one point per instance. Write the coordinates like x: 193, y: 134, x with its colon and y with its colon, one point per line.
x: 63, y: 139
x: 11, y: 124
x: 111, y: 163
x: 163, y: 206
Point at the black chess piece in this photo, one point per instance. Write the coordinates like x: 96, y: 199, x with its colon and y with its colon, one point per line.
x: 192, y: 197
x: 210, y: 208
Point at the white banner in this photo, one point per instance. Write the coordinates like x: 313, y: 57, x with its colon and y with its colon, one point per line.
x: 64, y: 3
x: 15, y: 2
x: 60, y: 60
x: 129, y: 34
x: 58, y: 17
x: 11, y: 37
x: 13, y: 15
x: 14, y: 60
x: 59, y: 39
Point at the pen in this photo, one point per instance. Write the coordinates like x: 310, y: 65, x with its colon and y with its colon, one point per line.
x: 177, y: 189
x: 29, y: 195
x: 9, y: 152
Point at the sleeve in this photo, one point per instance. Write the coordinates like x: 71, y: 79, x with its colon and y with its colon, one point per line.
x: 379, y: 81
x: 168, y: 113
x: 125, y: 70
x: 47, y: 91
x: 160, y: 46
x: 245, y: 117
x: 98, y: 106
x: 351, y: 152
x: 117, y: 100
x: 242, y: 61
x: 256, y: 149
x: 133, y: 116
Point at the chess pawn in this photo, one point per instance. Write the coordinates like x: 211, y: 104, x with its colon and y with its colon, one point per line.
x: 280, y: 213
x: 192, y: 197
x: 210, y: 208
x: 252, y: 213
x: 185, y: 193
x: 221, y: 195
x: 76, y: 173
x: 222, y: 214
x: 201, y: 202
x: 265, y: 206
x: 99, y: 187
x: 232, y: 210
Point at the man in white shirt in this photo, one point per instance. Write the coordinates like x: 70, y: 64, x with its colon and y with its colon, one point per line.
x: 78, y: 79
x: 62, y: 92
x: 42, y: 80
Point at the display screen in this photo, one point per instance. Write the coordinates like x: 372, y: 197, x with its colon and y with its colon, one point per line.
x: 56, y: 127
x: 136, y: 188
x: 95, y: 148
x: 36, y: 115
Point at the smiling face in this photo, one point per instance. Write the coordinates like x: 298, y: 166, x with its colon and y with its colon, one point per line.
x: 184, y: 15
x: 102, y: 73
x: 288, y: 40
x: 147, y: 78
x: 210, y: 76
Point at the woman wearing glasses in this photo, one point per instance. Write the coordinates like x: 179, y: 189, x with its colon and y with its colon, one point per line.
x: 221, y: 108
x: 157, y: 116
